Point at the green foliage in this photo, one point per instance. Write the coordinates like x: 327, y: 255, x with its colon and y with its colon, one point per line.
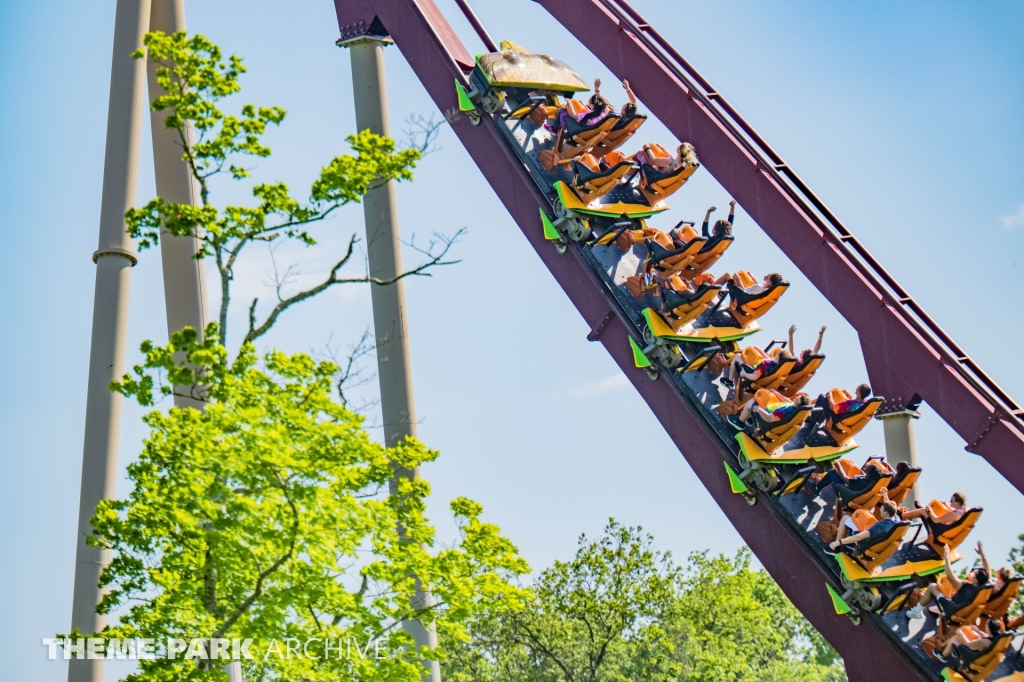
x: 266, y: 516
x: 734, y: 624
x: 1017, y: 562
x: 195, y: 77
x: 621, y: 611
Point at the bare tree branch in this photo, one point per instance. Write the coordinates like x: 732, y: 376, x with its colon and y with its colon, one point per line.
x: 422, y: 132
x: 443, y: 242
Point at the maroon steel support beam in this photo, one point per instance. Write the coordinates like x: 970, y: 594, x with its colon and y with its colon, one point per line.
x: 901, y: 358
x: 432, y: 49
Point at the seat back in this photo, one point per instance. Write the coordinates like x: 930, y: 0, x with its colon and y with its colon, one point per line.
x: 751, y: 356
x: 870, y: 498
x: 845, y: 427
x: 800, y: 375
x: 776, y: 377
x: 578, y: 138
x: 707, y: 256
x: 846, y: 467
x: 746, y: 307
x: 595, y: 184
x: 667, y: 185
x: 774, y: 435
x: 576, y: 108
x: 902, y: 483
x: 690, y: 308
x: 999, y: 602
x: 617, y: 136
x: 968, y: 613
x: 687, y: 233
x: 977, y: 666
x: 878, y: 553
x: 953, y: 534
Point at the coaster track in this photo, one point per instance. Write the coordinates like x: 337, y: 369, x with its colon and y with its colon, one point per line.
x: 908, y: 356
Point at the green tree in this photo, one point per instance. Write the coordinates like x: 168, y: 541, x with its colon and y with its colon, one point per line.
x: 621, y: 611
x: 266, y: 516
x: 195, y: 78
x: 1017, y: 562
x: 734, y: 624
x: 592, y: 619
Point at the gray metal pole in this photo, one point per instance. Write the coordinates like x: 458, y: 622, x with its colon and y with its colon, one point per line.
x: 380, y: 213
x: 114, y: 259
x: 185, y: 293
x: 899, y: 443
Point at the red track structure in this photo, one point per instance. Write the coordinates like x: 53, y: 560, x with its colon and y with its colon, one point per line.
x: 908, y: 356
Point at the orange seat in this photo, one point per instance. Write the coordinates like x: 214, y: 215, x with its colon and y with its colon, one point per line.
x: 746, y: 307
x: 965, y: 615
x: 774, y: 435
x: 776, y: 377
x: 951, y: 534
x: 977, y: 666
x: 617, y: 136
x: 999, y: 602
x: 574, y: 138
x: 844, y: 427
x: 707, y: 256
x: 673, y: 259
x: 902, y: 484
x: 878, y: 553
x: 678, y: 308
x: 800, y: 375
x: 591, y: 182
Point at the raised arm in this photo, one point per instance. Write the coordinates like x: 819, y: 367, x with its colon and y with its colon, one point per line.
x: 792, y: 344
x: 817, y: 345
x: 980, y: 549
x: 629, y: 92
x: 950, y: 575
x: 732, y: 210
x: 707, y: 219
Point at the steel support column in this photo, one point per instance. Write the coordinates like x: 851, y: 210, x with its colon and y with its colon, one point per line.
x: 899, y: 443
x: 185, y: 293
x: 384, y: 253
x: 114, y: 259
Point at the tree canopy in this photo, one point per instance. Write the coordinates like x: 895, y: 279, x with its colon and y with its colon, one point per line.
x: 622, y: 611
x: 266, y: 516
x: 195, y: 77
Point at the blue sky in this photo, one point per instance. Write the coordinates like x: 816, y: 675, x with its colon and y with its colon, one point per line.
x: 906, y: 119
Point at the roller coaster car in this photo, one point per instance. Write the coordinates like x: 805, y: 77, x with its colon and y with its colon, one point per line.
x: 772, y: 436
x: 841, y: 428
x: 511, y: 75
x: 975, y: 666
x: 591, y: 182
x: 623, y: 129
x: 999, y: 602
x: 678, y: 308
x: 770, y: 381
x: 951, y: 534
x: 679, y: 255
x: 852, y: 499
x: 623, y: 200
x: 800, y: 374
x: 574, y: 138
x: 902, y: 483
x: 656, y: 184
x: 746, y: 307
x: 967, y: 614
x: 873, y: 556
x: 708, y: 255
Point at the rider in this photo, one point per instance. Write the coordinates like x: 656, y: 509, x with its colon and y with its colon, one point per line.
x: 840, y: 408
x: 966, y: 590
x: 871, y: 535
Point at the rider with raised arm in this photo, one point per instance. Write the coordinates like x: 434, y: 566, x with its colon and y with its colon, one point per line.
x: 966, y: 590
